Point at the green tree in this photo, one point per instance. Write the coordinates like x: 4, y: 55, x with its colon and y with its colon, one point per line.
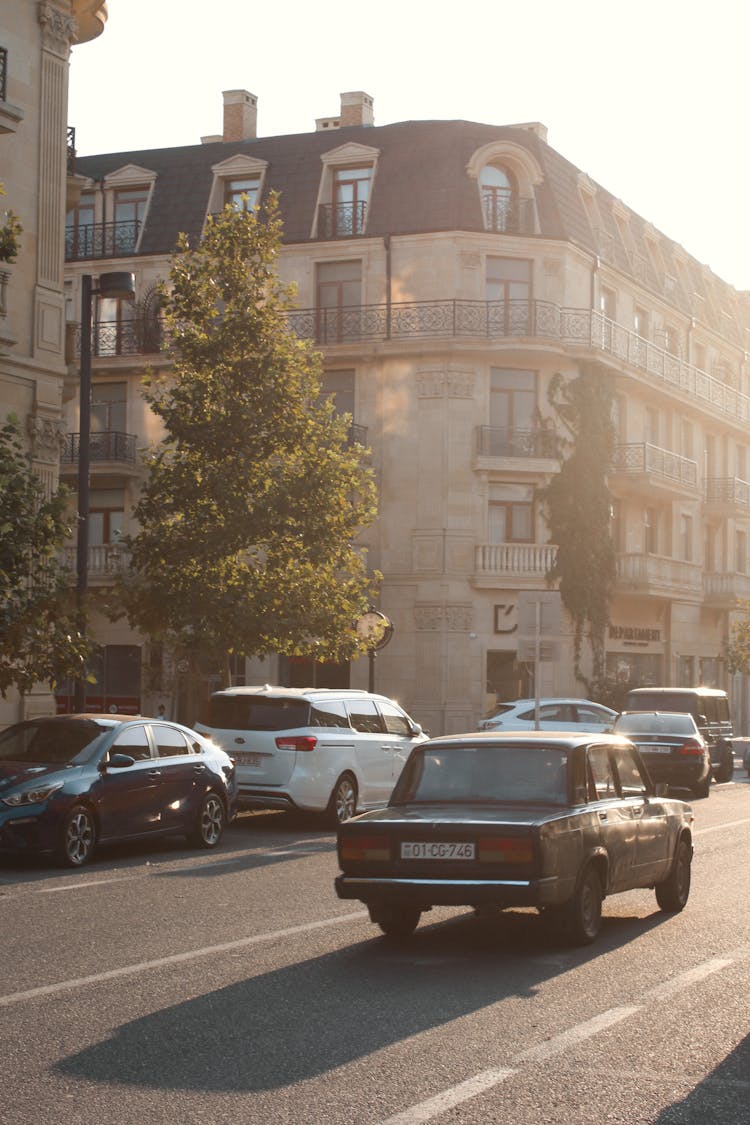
x: 256, y: 495
x: 10, y: 232
x: 39, y: 641
x: 577, y: 509
x: 738, y: 642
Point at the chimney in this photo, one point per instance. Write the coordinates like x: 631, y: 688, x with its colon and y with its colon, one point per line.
x: 240, y: 115
x: 357, y: 109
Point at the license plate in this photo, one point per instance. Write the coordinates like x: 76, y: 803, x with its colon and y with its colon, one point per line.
x: 437, y: 850
x: 245, y: 759
x: 649, y: 748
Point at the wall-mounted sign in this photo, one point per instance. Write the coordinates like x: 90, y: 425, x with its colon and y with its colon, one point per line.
x: 633, y: 633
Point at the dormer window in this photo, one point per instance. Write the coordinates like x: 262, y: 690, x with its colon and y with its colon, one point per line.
x: 242, y: 194
x: 351, y: 194
x: 499, y: 198
x: 238, y: 182
x: 506, y: 174
x: 344, y: 193
x: 79, y: 228
x: 129, y: 213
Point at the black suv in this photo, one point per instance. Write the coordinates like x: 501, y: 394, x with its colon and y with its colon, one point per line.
x: 710, y: 709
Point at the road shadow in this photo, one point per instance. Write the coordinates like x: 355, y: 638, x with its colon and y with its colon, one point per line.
x: 306, y: 1019
x: 723, y: 1095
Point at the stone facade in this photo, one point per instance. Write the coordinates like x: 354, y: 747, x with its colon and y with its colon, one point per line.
x: 475, y: 266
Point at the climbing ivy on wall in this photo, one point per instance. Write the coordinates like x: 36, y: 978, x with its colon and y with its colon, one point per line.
x: 577, y: 509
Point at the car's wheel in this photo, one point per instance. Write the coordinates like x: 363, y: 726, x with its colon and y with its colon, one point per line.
x: 343, y: 801
x: 77, y: 837
x: 398, y: 921
x: 209, y: 823
x: 703, y: 789
x: 673, y: 893
x: 583, y: 914
x: 726, y: 764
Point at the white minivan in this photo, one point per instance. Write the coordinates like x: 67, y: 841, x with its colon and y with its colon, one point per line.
x: 317, y: 749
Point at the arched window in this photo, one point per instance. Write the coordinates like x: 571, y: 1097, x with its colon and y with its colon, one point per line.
x: 499, y: 198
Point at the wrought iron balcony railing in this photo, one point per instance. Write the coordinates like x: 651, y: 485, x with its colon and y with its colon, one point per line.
x: 508, y: 216
x: 448, y: 319
x: 3, y: 73
x: 102, y: 240
x: 341, y: 220
x: 728, y: 490
x: 106, y: 445
x: 139, y: 336
x: 500, y: 441
x: 643, y: 457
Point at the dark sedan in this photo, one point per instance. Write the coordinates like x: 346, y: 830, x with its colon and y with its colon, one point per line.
x: 555, y: 821
x: 70, y: 782
x: 672, y: 747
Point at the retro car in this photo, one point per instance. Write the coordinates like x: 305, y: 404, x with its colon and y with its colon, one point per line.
x: 557, y: 821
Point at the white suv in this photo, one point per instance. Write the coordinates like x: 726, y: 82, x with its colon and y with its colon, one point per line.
x: 316, y: 749
x: 554, y: 714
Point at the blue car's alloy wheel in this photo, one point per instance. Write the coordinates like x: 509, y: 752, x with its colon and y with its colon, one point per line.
x: 78, y: 837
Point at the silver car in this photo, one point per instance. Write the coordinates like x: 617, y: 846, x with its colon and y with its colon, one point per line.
x: 554, y: 714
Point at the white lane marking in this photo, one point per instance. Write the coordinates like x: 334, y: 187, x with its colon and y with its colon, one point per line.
x: 684, y: 980
x: 90, y: 883
x: 578, y: 1034
x: 433, y: 1107
x: 448, y: 1099
x: 175, y: 959
x: 719, y: 827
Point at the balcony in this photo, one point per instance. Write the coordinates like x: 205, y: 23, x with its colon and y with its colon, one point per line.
x: 105, y: 561
x: 656, y: 575
x: 508, y: 215
x: 725, y: 494
x: 106, y: 448
x: 139, y: 336
x: 654, y: 466
x: 500, y: 441
x: 10, y: 115
x: 102, y: 240
x: 724, y: 590
x: 537, y: 321
x: 523, y: 564
x: 342, y: 220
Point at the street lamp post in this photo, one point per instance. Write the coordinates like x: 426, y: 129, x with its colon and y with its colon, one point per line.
x: 110, y: 285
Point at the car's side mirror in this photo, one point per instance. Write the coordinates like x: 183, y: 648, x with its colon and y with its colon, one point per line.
x: 117, y: 762
x: 416, y: 730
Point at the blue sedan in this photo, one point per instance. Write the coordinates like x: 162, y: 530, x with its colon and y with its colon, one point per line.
x: 71, y: 782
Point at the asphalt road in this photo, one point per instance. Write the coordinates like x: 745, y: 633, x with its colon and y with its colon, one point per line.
x: 166, y: 985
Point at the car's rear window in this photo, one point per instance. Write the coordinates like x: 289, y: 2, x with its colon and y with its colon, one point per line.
x: 476, y: 774
x: 247, y: 712
x: 649, y: 723
x: 662, y: 701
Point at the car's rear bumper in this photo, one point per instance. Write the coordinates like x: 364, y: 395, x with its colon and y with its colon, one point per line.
x: 424, y: 892
x: 680, y: 774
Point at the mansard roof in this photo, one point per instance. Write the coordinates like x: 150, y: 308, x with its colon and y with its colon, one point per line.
x: 422, y: 186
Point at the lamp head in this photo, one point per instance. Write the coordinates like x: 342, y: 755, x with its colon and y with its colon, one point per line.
x: 117, y: 285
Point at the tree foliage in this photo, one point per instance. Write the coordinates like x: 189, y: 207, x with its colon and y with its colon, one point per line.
x: 255, y: 497
x: 39, y: 641
x: 738, y: 641
x: 577, y: 509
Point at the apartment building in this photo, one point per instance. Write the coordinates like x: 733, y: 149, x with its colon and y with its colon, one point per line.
x: 447, y: 270
x: 37, y: 171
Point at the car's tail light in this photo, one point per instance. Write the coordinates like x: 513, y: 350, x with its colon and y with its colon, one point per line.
x: 505, y: 849
x: 691, y: 748
x: 359, y: 848
x: 303, y: 742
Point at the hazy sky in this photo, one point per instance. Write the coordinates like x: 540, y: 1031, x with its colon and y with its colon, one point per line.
x: 649, y: 97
